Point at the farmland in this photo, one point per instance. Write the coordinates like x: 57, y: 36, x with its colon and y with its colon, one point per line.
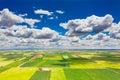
x: 60, y: 65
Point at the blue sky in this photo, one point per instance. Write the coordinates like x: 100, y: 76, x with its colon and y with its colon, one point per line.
x: 72, y: 9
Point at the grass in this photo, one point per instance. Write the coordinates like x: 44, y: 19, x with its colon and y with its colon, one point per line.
x: 77, y: 74
x: 57, y: 74
x: 112, y: 74
x: 116, y: 70
x: 32, y: 63
x: 54, y: 63
x: 41, y: 75
x: 98, y: 74
x: 17, y: 74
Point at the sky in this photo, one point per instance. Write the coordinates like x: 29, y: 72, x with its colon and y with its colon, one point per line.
x: 59, y: 24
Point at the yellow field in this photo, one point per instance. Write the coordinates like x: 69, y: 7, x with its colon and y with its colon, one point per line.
x: 87, y: 56
x: 3, y: 63
x: 57, y: 74
x: 2, y: 59
x: 53, y: 58
x: 65, y: 57
x: 17, y: 73
x: 108, y: 64
x: 80, y: 64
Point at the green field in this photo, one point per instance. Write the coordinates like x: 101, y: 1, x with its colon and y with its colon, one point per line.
x: 60, y: 65
x: 41, y: 75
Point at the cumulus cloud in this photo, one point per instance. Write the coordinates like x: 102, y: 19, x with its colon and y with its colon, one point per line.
x: 31, y: 22
x: 24, y: 32
x: 20, y: 36
x: 99, y: 36
x: 8, y: 19
x: 92, y: 24
x: 16, y: 31
x: 59, y: 11
x: 44, y: 12
x: 41, y: 40
x: 23, y: 37
x: 45, y: 33
x: 114, y: 31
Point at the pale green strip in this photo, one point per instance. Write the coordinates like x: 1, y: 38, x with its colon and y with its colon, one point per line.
x: 57, y: 74
x: 43, y: 61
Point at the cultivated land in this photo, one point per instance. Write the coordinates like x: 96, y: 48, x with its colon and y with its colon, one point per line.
x: 60, y: 65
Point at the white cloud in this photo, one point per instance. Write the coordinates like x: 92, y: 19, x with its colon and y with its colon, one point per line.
x: 93, y: 23
x: 51, y: 18
x: 59, y: 11
x: 31, y: 22
x: 41, y: 40
x: 114, y: 31
x: 22, y: 15
x: 23, y: 37
x: 24, y: 32
x: 45, y: 33
x: 8, y: 19
x: 19, y: 36
x: 99, y: 36
x: 44, y: 12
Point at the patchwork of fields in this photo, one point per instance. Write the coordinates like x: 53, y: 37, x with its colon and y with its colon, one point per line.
x: 60, y: 65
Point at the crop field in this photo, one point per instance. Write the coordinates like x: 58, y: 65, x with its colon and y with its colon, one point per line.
x: 60, y: 65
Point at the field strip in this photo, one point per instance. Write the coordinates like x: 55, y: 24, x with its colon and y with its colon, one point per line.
x: 22, y: 64
x: 113, y: 71
x: 111, y: 74
x: 2, y: 59
x: 91, y: 64
x: 57, y: 74
x: 102, y: 64
x: 43, y: 61
x: 41, y: 75
x: 107, y: 64
x: 88, y: 74
x: 13, y: 64
x: 77, y: 66
x: 84, y: 64
x: 4, y: 63
x: 97, y: 74
x: 18, y: 73
x: 77, y: 74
